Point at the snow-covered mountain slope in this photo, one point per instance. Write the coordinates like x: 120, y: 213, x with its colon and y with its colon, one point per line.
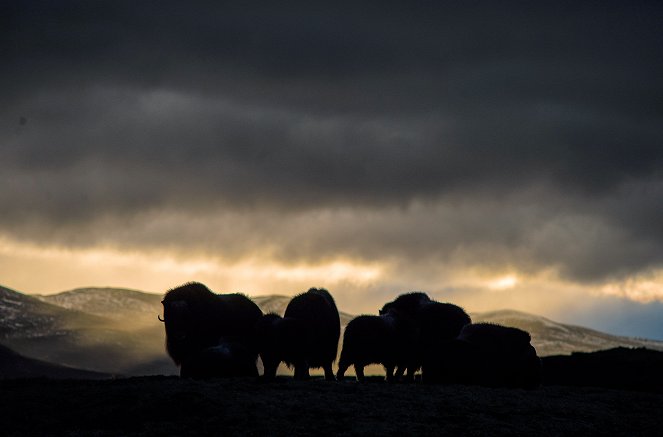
x: 27, y: 316
x: 115, y: 303
x: 67, y: 336
x: 553, y: 338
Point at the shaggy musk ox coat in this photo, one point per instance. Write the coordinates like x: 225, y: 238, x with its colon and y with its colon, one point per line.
x: 305, y: 337
x: 387, y: 339
x: 485, y: 354
x: 197, y: 319
x: 436, y: 323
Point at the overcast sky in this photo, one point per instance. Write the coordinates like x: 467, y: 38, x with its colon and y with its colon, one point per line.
x: 496, y: 154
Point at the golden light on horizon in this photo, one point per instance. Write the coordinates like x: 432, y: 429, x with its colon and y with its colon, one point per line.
x: 65, y: 268
x: 503, y: 282
x: 359, y: 285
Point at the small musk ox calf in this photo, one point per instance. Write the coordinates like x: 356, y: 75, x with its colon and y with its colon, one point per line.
x: 387, y: 339
x: 485, y: 354
x: 306, y: 337
x: 436, y: 323
x: 197, y: 321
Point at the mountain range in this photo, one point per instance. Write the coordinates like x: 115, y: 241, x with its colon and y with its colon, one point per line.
x: 116, y: 331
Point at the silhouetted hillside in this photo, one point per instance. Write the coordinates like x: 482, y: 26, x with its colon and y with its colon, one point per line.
x: 621, y: 368
x: 13, y: 365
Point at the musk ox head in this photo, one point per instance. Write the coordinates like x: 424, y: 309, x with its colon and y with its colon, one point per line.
x: 178, y: 319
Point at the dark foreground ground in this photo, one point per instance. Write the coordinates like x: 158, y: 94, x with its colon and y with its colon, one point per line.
x: 170, y: 406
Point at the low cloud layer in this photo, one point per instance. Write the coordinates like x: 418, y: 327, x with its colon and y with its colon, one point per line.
x: 508, y: 136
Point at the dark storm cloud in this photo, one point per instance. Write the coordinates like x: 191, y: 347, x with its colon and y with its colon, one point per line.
x: 117, y: 109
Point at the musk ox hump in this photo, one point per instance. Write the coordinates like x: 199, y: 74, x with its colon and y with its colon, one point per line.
x: 407, y: 303
x: 442, y: 320
x: 191, y: 291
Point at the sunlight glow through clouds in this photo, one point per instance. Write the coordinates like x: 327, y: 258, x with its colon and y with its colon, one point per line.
x: 641, y: 288
x: 503, y: 282
x: 161, y: 271
x: 47, y: 269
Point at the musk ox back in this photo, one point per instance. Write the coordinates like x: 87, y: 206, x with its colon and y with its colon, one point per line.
x: 436, y: 323
x: 305, y: 337
x: 387, y: 339
x: 440, y: 322
x: 407, y: 304
x: 485, y: 354
x: 196, y: 319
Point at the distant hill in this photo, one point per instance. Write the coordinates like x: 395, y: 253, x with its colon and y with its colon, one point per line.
x: 14, y: 365
x: 116, y: 331
x: 114, y: 303
x: 553, y: 338
x: 59, y: 332
x: 30, y: 317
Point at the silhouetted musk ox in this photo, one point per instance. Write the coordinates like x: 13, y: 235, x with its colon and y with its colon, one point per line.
x: 436, y: 323
x: 306, y: 337
x: 388, y: 339
x: 485, y: 354
x: 197, y: 319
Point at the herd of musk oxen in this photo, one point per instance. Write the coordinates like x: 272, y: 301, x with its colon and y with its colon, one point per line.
x: 221, y: 335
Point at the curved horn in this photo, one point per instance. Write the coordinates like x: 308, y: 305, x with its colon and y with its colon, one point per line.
x: 160, y: 319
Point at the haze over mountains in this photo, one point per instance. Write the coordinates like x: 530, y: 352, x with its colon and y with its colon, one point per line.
x: 116, y: 331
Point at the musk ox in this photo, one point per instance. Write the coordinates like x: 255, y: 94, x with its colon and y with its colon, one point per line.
x: 387, y: 339
x: 436, y: 323
x: 306, y: 337
x: 485, y: 354
x: 197, y: 319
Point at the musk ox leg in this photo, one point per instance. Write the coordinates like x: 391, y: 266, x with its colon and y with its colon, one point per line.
x: 301, y: 370
x: 389, y: 370
x: 359, y: 370
x: 329, y: 373
x: 270, y: 367
x: 184, y: 371
x: 400, y: 374
x: 342, y: 367
x: 409, y: 375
